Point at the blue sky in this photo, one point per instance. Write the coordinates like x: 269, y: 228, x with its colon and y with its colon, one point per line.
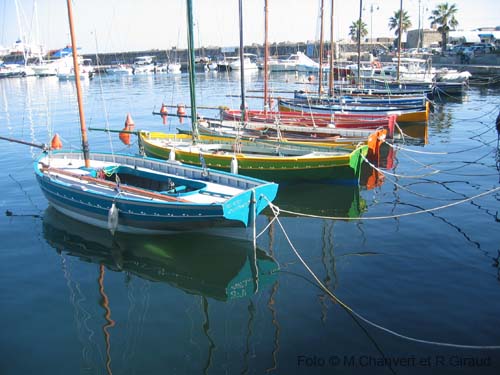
x: 130, y: 25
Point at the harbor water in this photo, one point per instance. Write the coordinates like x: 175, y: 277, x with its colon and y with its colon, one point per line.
x: 413, y: 254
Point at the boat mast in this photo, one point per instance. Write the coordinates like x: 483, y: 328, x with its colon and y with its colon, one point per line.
x: 21, y: 34
x: 242, y: 64
x: 320, y: 78
x: 76, y: 68
x: 332, y: 54
x: 266, y: 55
x: 192, y: 92
x: 359, y: 40
x: 399, y: 35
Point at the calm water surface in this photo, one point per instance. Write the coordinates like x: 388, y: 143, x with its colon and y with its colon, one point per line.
x: 75, y: 300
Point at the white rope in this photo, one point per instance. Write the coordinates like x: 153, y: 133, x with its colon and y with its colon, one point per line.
x: 369, y: 322
x: 388, y: 216
x: 400, y: 130
x: 399, y: 175
x: 267, y: 226
x: 398, y: 147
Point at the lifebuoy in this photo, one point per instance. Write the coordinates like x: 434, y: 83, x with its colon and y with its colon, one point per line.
x: 376, y: 64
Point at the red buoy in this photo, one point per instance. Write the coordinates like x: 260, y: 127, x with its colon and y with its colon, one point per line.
x: 181, y: 112
x: 164, y: 113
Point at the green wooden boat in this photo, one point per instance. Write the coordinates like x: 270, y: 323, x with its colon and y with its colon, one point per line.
x: 276, y: 162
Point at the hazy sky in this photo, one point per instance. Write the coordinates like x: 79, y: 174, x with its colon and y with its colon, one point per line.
x: 128, y: 25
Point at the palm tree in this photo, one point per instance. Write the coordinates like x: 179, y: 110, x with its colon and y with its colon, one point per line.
x: 444, y: 17
x: 353, y: 30
x: 394, y: 22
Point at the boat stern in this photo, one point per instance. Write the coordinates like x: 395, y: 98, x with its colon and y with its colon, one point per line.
x: 243, y: 206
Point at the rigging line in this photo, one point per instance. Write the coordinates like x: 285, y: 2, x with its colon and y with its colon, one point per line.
x: 456, y: 203
x: 104, y: 108
x: 25, y: 193
x: 369, y: 322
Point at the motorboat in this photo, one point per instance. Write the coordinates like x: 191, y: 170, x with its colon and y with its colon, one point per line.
x: 249, y: 62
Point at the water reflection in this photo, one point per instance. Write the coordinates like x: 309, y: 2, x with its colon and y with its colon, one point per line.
x: 210, y: 266
x: 414, y: 133
x: 321, y: 199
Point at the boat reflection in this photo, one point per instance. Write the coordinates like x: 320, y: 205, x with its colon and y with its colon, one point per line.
x: 414, y: 133
x: 321, y: 199
x: 217, y: 267
x: 372, y: 178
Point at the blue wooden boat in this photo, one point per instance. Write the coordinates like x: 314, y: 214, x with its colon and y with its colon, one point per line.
x: 408, y: 100
x: 143, y: 195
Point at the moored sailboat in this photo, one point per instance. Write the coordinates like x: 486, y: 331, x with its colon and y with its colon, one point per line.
x: 134, y: 194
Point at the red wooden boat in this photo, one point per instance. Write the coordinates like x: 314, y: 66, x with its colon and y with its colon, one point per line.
x: 337, y: 120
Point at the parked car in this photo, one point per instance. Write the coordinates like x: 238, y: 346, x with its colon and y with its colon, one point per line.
x: 457, y: 50
x: 482, y: 48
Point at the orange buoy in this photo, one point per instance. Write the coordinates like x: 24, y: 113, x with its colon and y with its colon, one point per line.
x: 129, y: 123
x: 129, y: 126
x: 164, y: 113
x: 181, y: 112
x: 56, y: 143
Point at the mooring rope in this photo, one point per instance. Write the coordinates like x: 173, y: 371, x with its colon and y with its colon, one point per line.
x: 346, y: 307
x: 399, y: 175
x: 398, y: 147
x: 491, y: 191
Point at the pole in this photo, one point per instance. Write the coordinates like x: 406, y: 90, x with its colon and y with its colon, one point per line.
x: 399, y: 36
x: 266, y: 55
x: 331, y: 77
x: 192, y: 82
x: 371, y: 23
x: 83, y: 128
x: 320, y: 78
x: 359, y: 40
x: 242, y: 63
x: 419, y: 26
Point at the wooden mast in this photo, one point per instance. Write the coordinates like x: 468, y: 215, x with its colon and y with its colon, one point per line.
x: 320, y: 78
x: 266, y: 56
x: 192, y: 82
x: 83, y: 128
x: 332, y: 53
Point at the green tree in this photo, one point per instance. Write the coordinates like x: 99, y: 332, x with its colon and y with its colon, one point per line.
x: 353, y: 30
x: 444, y: 18
x: 394, y: 22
